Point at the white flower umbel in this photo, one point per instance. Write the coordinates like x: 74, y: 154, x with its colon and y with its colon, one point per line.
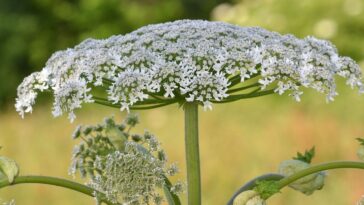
x: 127, y: 168
x: 131, y: 177
x: 187, y: 60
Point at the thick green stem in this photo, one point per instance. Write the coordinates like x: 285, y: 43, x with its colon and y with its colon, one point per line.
x: 318, y: 168
x: 53, y: 181
x: 192, y: 154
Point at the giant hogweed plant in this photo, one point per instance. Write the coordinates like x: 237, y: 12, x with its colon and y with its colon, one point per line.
x: 191, y: 63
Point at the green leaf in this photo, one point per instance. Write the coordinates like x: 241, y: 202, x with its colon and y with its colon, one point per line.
x: 307, y: 156
x: 266, y: 188
x: 360, y: 140
x: 9, y: 168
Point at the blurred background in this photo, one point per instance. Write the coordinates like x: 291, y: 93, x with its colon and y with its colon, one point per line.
x: 238, y: 141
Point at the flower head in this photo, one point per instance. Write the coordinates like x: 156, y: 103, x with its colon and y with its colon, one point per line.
x: 187, y: 61
x: 128, y: 170
x: 131, y: 177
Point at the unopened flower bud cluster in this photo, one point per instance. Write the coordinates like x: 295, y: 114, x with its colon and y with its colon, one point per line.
x: 127, y: 168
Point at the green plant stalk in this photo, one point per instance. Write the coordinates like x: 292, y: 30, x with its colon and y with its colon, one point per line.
x: 318, y: 168
x: 55, y: 182
x: 192, y: 154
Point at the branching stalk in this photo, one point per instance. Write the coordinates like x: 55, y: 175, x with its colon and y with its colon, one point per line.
x: 56, y: 182
x: 243, y: 88
x: 252, y: 94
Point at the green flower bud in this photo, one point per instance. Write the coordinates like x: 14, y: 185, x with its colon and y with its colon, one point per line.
x: 162, y: 155
x: 158, y: 199
x: 308, y: 184
x: 249, y: 197
x: 132, y: 119
x: 172, y: 170
x: 8, y: 168
x: 97, y: 138
x: 122, y: 127
x: 82, y: 171
x: 178, y: 188
x: 136, y: 137
x: 147, y: 135
x: 82, y: 147
x: 90, y: 142
x: 77, y: 133
x: 109, y: 122
x: 131, y: 170
x: 87, y: 130
x: 99, y: 128
x: 360, y: 152
x: 116, y: 137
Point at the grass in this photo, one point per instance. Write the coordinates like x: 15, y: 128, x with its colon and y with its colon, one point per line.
x: 238, y: 142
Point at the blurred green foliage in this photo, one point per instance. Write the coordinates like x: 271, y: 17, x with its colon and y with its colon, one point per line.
x: 31, y: 30
x: 340, y: 21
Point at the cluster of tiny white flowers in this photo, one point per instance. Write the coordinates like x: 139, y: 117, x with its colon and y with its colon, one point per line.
x: 133, y: 177
x: 126, y: 168
x: 193, y: 60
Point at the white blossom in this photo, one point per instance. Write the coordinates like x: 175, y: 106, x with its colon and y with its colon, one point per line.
x: 124, y: 168
x: 186, y: 61
x: 131, y: 177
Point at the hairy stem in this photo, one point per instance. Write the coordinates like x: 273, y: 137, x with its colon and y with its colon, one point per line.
x: 192, y: 154
x: 55, y: 182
